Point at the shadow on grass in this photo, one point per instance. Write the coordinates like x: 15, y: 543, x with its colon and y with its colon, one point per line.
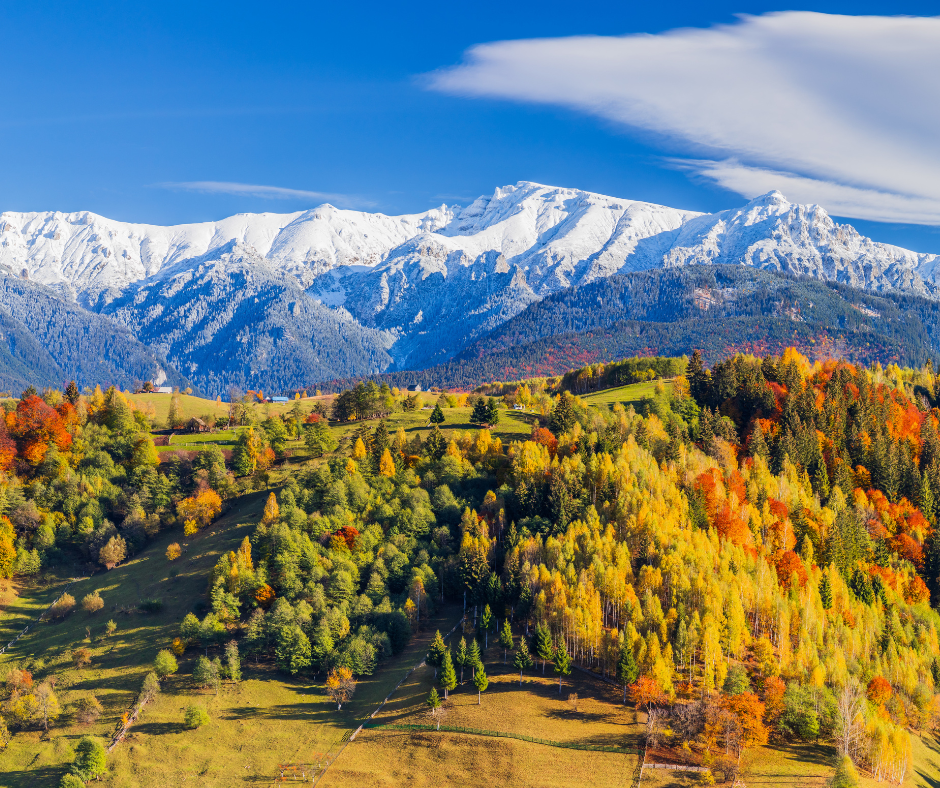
x: 158, y: 728
x: 30, y: 778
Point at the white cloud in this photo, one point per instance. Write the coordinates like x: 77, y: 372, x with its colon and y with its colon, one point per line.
x: 255, y: 190
x: 836, y: 107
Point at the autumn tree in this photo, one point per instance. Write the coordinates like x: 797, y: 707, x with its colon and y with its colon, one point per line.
x: 505, y: 638
x: 340, y: 685
x: 113, y: 552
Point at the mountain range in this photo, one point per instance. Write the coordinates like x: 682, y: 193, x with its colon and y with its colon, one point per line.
x: 280, y: 301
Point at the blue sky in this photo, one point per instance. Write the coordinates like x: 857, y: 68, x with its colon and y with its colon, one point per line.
x: 140, y: 113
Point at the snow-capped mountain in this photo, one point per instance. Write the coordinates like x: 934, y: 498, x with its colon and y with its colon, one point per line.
x: 85, y: 254
x: 406, y: 291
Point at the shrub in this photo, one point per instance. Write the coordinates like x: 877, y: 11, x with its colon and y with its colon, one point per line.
x: 152, y: 605
x: 88, y: 710
x: 110, y: 627
x: 196, y: 717
x: 113, y: 552
x: 173, y: 552
x: 178, y: 646
x: 81, y: 657
x: 165, y: 664
x: 71, y: 781
x: 64, y: 605
x: 92, y: 603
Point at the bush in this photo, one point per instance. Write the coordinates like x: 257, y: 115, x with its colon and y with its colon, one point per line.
x: 88, y: 710
x: 173, y: 552
x: 152, y: 605
x: 82, y: 657
x: 64, y: 605
x: 92, y: 603
x: 71, y: 781
x: 165, y: 664
x: 196, y: 717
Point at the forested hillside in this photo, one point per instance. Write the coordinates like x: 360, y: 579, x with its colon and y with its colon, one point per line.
x: 47, y: 342
x: 722, y: 310
x: 750, y: 553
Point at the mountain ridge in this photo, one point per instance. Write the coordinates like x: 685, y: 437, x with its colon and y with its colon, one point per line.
x: 410, y: 291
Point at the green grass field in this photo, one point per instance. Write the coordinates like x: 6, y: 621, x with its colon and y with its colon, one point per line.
x: 625, y: 395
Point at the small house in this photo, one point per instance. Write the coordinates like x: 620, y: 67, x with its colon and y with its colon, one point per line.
x: 416, y: 387
x: 163, y: 390
x: 280, y: 399
x: 195, y: 425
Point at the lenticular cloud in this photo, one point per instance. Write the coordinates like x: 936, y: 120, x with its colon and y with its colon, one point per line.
x: 843, y: 107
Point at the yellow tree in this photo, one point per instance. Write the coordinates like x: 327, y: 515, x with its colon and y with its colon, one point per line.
x: 387, y: 464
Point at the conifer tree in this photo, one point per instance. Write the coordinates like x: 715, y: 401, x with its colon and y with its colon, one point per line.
x: 448, y: 678
x: 522, y: 660
x: 436, y: 652
x: 562, y: 664
x: 505, y: 638
x: 492, y: 411
x: 461, y: 657
x: 480, y: 413
x: 627, y: 670
x: 544, y: 649
x: 437, y: 415
x: 485, y: 620
x: 481, y: 682
x: 473, y: 656
x: 434, y: 703
x: 825, y: 592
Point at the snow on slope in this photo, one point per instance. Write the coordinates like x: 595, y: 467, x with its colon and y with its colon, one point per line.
x: 422, y: 286
x: 84, y: 254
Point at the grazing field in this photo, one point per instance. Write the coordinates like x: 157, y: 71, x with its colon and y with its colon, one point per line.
x: 625, y: 395
x: 191, y: 406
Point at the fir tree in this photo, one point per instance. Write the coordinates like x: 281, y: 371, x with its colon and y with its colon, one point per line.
x: 461, y: 656
x: 522, y: 660
x: 436, y: 652
x: 485, y: 621
x: 825, y: 593
x: 480, y: 414
x: 544, y: 649
x: 562, y: 664
x: 481, y: 682
x: 436, y: 444
x: 492, y: 411
x: 448, y: 677
x: 505, y: 638
x: 473, y: 656
x: 627, y: 670
x: 437, y: 415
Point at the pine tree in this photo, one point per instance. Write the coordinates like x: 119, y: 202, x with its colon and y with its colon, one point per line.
x: 473, y: 656
x: 481, y: 682
x: 825, y: 592
x: 627, y: 670
x: 522, y: 660
x: 505, y: 638
x: 460, y: 657
x: 544, y: 649
x: 233, y: 663
x: 485, y: 620
x: 436, y: 652
x: 436, y: 444
x: 480, y: 413
x: 562, y: 664
x: 437, y: 415
x: 434, y: 703
x: 448, y: 677
x: 757, y: 446
x: 492, y: 411
x: 72, y: 394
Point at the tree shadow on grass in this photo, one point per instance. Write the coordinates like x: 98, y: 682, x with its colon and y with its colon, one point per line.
x: 30, y: 778
x: 819, y: 754
x: 158, y: 728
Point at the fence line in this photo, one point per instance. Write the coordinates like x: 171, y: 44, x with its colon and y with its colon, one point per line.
x: 39, y: 619
x: 506, y: 735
